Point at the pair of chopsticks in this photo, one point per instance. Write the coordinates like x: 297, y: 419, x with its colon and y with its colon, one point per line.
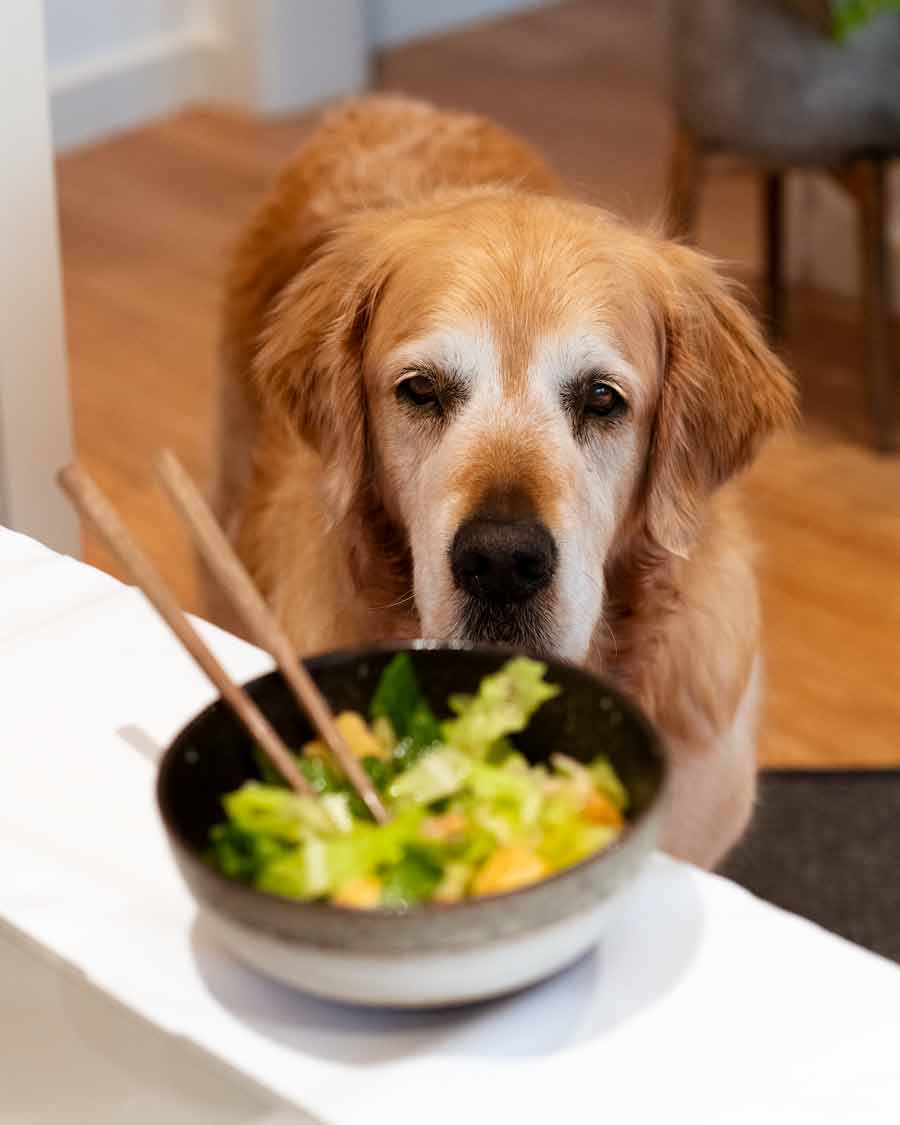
x: 246, y: 599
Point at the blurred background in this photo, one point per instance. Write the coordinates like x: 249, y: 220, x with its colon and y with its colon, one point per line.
x: 763, y: 129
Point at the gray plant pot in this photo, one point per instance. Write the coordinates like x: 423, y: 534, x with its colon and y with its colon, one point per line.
x: 755, y: 77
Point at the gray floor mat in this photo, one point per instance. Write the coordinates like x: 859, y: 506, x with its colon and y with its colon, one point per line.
x: 826, y: 845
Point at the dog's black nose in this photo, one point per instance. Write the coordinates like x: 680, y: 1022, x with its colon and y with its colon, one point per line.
x: 502, y: 562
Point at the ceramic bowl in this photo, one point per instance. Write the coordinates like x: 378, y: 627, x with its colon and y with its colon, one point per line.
x: 429, y: 955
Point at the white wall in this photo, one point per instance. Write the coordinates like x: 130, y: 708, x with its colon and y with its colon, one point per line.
x: 82, y: 30
x: 115, y: 64
x: 277, y: 56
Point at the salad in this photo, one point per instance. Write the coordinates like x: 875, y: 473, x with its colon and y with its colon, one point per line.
x: 470, y: 815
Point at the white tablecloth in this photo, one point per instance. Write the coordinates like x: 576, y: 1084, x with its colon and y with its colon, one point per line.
x: 703, y: 1003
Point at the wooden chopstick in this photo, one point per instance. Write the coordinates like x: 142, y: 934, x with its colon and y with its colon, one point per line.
x: 264, y: 627
x: 96, y: 508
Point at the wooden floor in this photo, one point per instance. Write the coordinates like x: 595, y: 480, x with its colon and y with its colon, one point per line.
x: 145, y: 222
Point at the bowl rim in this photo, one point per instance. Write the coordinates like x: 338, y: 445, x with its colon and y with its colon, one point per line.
x: 348, y: 654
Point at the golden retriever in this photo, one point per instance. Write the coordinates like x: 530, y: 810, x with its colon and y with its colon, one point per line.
x: 455, y: 402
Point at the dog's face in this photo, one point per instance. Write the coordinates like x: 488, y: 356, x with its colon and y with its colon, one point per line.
x: 510, y: 412
x: 525, y: 383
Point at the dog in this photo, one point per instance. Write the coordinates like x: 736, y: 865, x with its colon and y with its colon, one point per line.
x: 455, y: 401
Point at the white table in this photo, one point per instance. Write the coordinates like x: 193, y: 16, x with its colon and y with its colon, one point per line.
x: 703, y: 1004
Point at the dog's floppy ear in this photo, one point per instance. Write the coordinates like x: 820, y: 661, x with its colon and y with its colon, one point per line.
x: 723, y: 392
x: 310, y: 360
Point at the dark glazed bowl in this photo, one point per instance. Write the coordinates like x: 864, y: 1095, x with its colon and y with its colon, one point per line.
x: 433, y: 953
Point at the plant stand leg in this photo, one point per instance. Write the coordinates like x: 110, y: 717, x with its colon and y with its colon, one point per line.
x: 685, y: 180
x: 868, y: 177
x: 773, y: 222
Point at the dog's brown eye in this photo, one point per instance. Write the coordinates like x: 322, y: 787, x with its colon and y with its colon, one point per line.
x: 602, y: 400
x: 419, y: 390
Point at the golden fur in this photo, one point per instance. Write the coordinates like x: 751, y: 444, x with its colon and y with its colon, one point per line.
x: 397, y: 229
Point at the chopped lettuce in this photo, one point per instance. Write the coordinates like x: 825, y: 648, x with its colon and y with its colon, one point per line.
x: 337, y: 805
x: 380, y: 771
x: 439, y: 774
x: 287, y: 876
x: 399, y: 699
x: 474, y: 847
x: 371, y: 848
x: 607, y: 781
x: 566, y: 837
x: 414, y: 878
x: 241, y: 854
x: 322, y: 775
x: 322, y: 864
x: 454, y: 883
x: 503, y: 705
x: 276, y: 812
x: 507, y: 792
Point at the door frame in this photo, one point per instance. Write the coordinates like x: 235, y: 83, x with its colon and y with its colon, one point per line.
x: 35, y: 413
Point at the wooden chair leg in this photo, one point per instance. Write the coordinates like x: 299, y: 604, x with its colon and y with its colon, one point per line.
x: 773, y: 223
x: 869, y: 181
x: 685, y: 179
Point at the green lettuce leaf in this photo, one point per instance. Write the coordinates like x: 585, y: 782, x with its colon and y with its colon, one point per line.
x: 439, y: 774
x: 509, y: 793
x: 414, y: 878
x: 399, y: 699
x: 321, y: 864
x: 502, y: 706
x: 566, y: 836
x: 280, y: 813
x: 607, y: 782
x: 240, y: 854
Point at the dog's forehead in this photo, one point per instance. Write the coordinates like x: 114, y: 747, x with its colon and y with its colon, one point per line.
x: 523, y: 311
